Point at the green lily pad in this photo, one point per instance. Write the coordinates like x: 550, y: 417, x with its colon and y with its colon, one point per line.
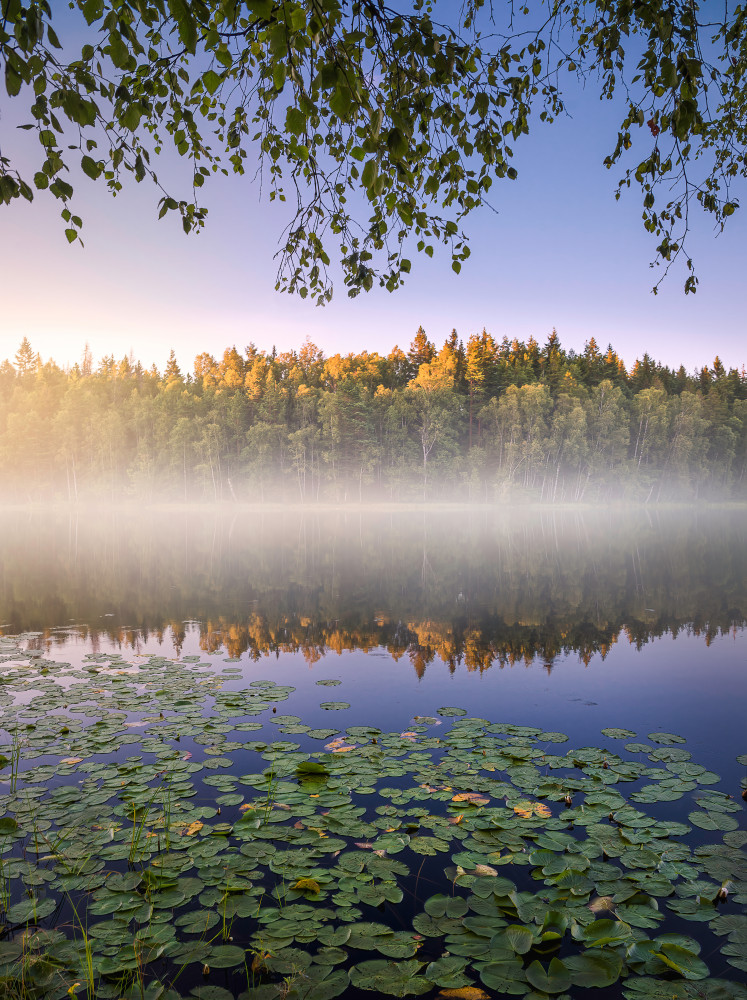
x: 449, y: 906
x: 598, y: 969
x: 713, y: 821
x: 519, y: 937
x: 555, y: 979
x: 226, y: 956
x: 397, y: 979
x: 505, y: 976
x: 31, y: 910
x: 449, y: 972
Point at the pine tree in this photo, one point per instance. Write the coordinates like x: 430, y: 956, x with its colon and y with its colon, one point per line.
x: 26, y: 360
x: 173, y: 374
x: 421, y: 352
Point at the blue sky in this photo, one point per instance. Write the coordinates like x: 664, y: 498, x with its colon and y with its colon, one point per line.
x: 558, y: 251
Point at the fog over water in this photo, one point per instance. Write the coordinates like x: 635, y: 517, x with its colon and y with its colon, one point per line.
x: 170, y: 679
x: 552, y: 613
x: 531, y: 581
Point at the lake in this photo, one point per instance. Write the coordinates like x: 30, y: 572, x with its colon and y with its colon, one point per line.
x: 317, y: 753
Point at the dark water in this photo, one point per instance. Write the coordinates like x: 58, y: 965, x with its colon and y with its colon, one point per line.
x: 564, y: 621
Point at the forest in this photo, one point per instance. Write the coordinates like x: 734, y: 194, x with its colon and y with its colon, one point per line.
x: 489, y: 421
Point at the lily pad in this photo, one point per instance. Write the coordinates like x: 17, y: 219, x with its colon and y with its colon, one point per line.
x: 397, y: 979
x: 555, y: 979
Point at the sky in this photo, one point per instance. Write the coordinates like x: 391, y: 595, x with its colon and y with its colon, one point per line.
x: 555, y: 251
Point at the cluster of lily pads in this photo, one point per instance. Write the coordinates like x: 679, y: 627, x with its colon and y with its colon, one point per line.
x: 166, y: 832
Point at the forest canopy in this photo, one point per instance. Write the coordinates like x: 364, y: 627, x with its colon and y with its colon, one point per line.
x: 483, y: 422
x: 383, y: 125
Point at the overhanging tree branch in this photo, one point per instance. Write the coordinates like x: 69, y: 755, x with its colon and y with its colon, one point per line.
x: 390, y: 125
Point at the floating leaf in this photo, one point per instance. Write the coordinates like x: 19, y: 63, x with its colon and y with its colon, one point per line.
x: 505, y: 977
x: 397, y: 979
x: 462, y: 992
x: 526, y: 809
x: 226, y: 956
x: 683, y: 961
x: 556, y: 979
x: 307, y: 885
x: 471, y: 798
x: 597, y: 969
x: 712, y: 821
x: 30, y: 911
x: 520, y: 938
x: 449, y: 906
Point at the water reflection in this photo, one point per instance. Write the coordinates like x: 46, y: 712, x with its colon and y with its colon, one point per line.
x: 470, y: 588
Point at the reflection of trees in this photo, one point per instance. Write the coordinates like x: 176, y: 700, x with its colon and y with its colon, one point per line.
x: 500, y: 588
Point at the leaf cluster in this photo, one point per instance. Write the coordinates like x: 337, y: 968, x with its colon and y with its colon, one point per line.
x: 383, y: 128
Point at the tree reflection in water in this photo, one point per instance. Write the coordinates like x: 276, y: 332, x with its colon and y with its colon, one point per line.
x: 471, y: 587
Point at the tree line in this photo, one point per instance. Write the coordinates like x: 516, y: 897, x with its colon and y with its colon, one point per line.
x: 482, y: 422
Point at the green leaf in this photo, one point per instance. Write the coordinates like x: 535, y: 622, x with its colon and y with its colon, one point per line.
x: 449, y: 906
x: 90, y: 167
x: 93, y: 10
x: 594, y: 969
x: 185, y: 22
x: 131, y: 116
x: 341, y: 101
x: 13, y: 79
x: 397, y: 979
x: 447, y: 972
x: 713, y: 821
x: 278, y: 75
x: 604, y: 932
x: 505, y: 977
x: 556, y: 979
x: 227, y: 956
x: 520, y: 938
x: 683, y: 961
x: 396, y: 143
x: 370, y: 173
x: 295, y: 121
x: 31, y: 910
x: 311, y: 767
x: 211, y: 81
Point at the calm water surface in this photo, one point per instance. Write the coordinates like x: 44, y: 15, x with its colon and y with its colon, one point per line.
x: 558, y: 620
